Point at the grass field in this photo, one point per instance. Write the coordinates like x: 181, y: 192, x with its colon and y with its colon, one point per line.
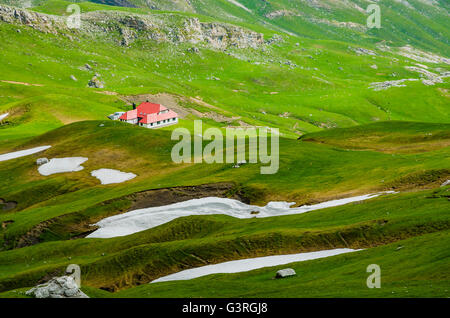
x: 338, y: 138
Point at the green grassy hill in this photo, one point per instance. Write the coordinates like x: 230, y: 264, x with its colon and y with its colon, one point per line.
x: 281, y: 64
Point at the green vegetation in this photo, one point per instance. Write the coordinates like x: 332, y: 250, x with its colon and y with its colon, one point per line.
x: 338, y: 138
x: 408, y: 269
x: 195, y: 241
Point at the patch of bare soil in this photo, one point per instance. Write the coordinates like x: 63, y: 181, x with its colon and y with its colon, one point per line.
x: 21, y: 83
x: 159, y: 197
x: 168, y: 100
x: 106, y: 93
x: 6, y: 223
x: 429, y: 179
x: 175, y: 103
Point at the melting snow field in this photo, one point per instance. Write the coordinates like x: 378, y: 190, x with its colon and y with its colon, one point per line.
x: 249, y: 264
x: 22, y: 153
x: 59, y: 165
x: 108, y: 176
x: 3, y: 116
x: 143, y: 219
x: 236, y: 3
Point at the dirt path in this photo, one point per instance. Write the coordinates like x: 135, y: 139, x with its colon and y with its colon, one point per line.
x: 21, y: 83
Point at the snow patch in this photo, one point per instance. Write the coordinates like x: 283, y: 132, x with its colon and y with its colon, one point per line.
x: 3, y: 116
x: 144, y: 219
x: 249, y: 264
x: 60, y: 165
x: 22, y: 153
x: 108, y: 176
x: 239, y: 5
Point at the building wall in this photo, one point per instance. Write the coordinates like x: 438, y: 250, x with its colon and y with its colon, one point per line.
x: 168, y: 122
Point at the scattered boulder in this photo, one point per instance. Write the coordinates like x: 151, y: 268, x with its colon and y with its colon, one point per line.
x: 276, y: 38
x: 73, y: 78
x: 57, y: 287
x: 287, y: 272
x: 7, y: 205
x: 95, y: 82
x: 362, y: 51
x: 374, y: 66
x: 41, y: 161
x: 193, y: 50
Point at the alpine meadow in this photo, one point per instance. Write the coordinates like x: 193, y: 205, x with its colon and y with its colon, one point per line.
x: 224, y: 149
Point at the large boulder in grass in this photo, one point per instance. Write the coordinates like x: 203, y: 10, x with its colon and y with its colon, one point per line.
x: 58, y: 287
x: 96, y: 83
x: 287, y: 272
x: 41, y: 161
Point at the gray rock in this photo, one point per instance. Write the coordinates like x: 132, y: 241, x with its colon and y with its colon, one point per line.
x: 73, y: 78
x: 362, y: 51
x: 287, y: 272
x: 95, y: 82
x: 132, y: 26
x: 194, y: 50
x: 57, y: 287
x: 41, y: 161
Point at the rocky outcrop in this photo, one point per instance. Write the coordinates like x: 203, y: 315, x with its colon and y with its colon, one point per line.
x: 281, y: 13
x: 422, y: 56
x: 95, y: 83
x: 57, y: 287
x: 41, y: 161
x: 362, y: 51
x: 430, y: 78
x: 41, y: 22
x: 220, y: 35
x: 125, y: 28
x: 378, y: 86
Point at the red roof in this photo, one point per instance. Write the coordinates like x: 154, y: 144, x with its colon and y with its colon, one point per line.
x: 153, y: 118
x: 149, y: 108
x: 132, y: 114
x: 149, y: 113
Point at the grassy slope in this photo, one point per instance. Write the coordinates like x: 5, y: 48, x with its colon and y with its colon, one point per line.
x: 46, y: 115
x: 421, y: 25
x: 316, y: 95
x: 390, y: 137
x: 412, y: 271
x: 341, y: 172
x: 195, y: 241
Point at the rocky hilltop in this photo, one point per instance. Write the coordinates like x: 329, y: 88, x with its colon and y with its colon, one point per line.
x: 125, y: 28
